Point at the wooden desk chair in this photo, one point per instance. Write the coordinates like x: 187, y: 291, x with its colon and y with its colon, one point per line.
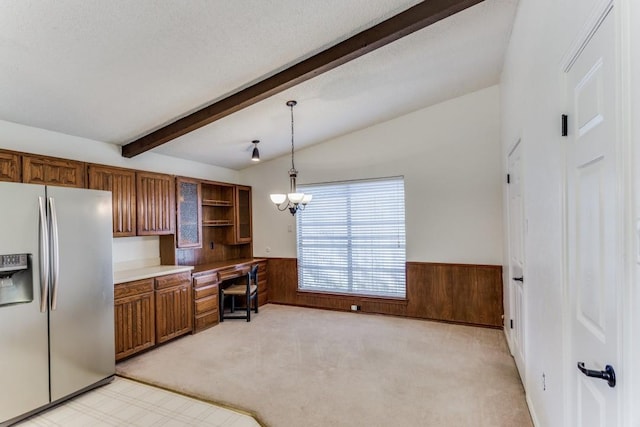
x: 248, y: 290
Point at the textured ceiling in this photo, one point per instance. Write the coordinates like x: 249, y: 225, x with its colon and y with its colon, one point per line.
x: 115, y: 70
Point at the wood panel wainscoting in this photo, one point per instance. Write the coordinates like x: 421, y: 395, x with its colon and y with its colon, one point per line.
x: 459, y: 293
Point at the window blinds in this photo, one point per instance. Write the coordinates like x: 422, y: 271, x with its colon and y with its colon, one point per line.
x: 351, y: 238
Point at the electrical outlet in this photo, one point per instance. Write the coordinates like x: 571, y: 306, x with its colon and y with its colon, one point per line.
x: 355, y: 308
x: 267, y: 250
x: 544, y: 382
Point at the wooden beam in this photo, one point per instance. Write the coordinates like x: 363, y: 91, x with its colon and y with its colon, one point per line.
x: 413, y: 19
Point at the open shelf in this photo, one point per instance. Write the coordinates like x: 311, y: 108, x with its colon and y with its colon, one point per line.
x: 211, y: 202
x: 217, y: 223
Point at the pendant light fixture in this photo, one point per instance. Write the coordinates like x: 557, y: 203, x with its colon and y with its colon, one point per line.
x: 255, y: 156
x: 294, y: 201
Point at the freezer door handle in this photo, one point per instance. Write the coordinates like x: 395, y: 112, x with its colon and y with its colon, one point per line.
x: 55, y: 259
x: 44, y: 256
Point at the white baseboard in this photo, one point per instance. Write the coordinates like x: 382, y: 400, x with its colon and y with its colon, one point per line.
x: 534, y: 417
x: 508, y: 338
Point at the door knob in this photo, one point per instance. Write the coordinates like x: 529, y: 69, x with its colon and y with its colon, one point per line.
x: 519, y: 279
x: 609, y: 375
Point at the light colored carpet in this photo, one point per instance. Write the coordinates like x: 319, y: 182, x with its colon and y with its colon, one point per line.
x: 304, y: 367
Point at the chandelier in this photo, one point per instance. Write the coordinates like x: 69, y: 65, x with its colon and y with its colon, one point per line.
x: 294, y: 201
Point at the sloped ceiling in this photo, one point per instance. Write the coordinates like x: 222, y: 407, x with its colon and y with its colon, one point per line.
x: 115, y: 70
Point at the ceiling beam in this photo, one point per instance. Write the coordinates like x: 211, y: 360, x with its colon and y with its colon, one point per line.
x: 413, y: 19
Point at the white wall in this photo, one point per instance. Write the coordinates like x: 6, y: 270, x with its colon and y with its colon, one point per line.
x: 127, y: 251
x: 18, y: 137
x: 449, y: 155
x: 631, y: 20
x: 533, y: 99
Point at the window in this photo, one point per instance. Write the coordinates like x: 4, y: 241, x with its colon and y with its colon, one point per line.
x: 351, y: 238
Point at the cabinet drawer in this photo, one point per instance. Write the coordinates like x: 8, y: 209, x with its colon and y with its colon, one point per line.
x: 171, y: 280
x: 207, y: 304
x: 234, y: 272
x: 205, y: 321
x: 205, y: 291
x: 138, y: 287
x: 262, y: 267
x: 205, y: 279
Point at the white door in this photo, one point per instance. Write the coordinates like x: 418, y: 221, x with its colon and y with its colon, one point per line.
x: 594, y: 237
x: 516, y: 258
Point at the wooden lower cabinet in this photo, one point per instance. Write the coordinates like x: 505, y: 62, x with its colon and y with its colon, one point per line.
x: 134, y: 317
x: 151, y: 311
x: 205, y: 301
x: 173, y: 306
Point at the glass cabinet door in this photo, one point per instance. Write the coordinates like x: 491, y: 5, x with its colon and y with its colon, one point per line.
x: 243, y: 214
x: 189, y: 213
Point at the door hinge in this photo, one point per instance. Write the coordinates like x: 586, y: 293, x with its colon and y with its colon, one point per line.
x: 511, y: 323
x: 508, y: 178
x: 565, y: 127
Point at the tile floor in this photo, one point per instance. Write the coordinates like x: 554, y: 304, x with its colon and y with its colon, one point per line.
x: 128, y: 403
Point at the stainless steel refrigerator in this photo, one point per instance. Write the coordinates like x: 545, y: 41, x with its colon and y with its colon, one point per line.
x: 56, y: 295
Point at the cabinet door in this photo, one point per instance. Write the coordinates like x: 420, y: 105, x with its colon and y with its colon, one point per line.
x: 52, y: 171
x: 122, y: 184
x: 10, y: 167
x: 156, y: 207
x: 189, y: 213
x: 242, y: 223
x: 134, y: 324
x: 173, y: 312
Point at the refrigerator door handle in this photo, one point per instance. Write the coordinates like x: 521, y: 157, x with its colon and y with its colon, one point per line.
x: 55, y: 258
x: 44, y: 256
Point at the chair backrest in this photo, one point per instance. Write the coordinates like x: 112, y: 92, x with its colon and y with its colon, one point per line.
x: 253, y: 275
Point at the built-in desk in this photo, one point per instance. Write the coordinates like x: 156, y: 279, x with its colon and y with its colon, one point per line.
x: 207, y: 279
x: 231, y: 264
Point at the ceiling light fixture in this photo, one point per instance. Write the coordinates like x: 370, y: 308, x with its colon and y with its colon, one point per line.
x: 294, y: 201
x: 255, y: 156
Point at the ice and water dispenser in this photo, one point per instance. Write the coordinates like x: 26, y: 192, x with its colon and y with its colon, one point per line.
x: 16, y: 279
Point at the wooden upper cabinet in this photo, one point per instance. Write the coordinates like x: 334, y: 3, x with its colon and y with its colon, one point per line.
x: 156, y: 204
x: 122, y: 184
x: 242, y: 222
x: 189, y: 213
x: 53, y: 171
x: 10, y: 167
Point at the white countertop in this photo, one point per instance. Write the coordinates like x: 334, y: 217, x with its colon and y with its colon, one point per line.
x: 147, y: 272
